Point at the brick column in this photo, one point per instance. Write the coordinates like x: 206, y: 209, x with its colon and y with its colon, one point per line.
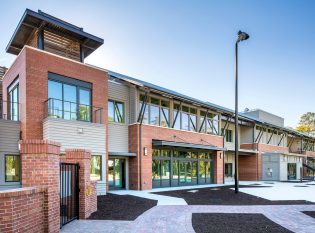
x: 218, y: 167
x: 87, y: 194
x: 40, y: 167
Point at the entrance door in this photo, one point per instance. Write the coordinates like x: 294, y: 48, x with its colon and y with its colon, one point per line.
x: 291, y: 171
x: 185, y: 172
x: 116, y: 173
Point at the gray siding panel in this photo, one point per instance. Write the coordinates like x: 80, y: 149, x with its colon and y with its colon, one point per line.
x: 93, y: 138
x: 9, y: 136
x: 9, y: 144
x: 66, y: 132
x: 118, y: 133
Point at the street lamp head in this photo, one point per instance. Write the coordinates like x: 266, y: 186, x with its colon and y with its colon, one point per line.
x: 242, y: 36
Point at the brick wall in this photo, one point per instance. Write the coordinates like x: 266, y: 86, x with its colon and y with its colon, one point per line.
x: 150, y: 132
x: 40, y: 168
x: 22, y: 210
x: 87, y: 194
x: 33, y: 84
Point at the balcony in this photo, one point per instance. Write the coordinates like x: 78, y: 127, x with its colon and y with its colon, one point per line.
x: 9, y: 110
x: 67, y: 110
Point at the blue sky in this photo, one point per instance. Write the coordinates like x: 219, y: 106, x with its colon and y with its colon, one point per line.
x: 188, y: 46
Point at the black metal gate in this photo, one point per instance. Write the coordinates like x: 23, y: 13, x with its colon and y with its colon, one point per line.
x: 69, y: 192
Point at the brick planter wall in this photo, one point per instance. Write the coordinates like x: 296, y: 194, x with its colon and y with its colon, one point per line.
x: 87, y: 194
x: 23, y: 210
x: 150, y: 132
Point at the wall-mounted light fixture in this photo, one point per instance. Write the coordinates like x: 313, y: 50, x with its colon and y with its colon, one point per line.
x: 80, y: 130
x: 145, y: 151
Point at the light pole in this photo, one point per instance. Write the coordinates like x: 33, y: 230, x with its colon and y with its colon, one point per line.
x: 241, y: 36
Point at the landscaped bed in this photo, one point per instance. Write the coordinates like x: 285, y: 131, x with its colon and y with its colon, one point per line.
x: 224, y: 195
x: 309, y: 213
x: 121, y: 207
x: 234, y: 223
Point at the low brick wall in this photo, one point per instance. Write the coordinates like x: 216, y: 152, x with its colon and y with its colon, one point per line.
x: 23, y: 210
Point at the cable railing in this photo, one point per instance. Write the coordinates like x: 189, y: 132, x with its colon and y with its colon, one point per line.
x: 9, y: 110
x: 56, y: 108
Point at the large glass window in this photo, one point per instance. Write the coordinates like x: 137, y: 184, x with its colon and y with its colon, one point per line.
x: 116, y: 111
x: 96, y: 167
x: 13, y: 96
x: 185, y: 118
x: 12, y: 168
x: 156, y: 111
x: 69, y: 100
x: 209, y: 122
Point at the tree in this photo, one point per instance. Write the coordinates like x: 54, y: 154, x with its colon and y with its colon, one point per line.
x: 307, y: 124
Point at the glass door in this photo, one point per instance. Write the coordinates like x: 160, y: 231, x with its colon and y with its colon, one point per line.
x: 116, y: 173
x: 291, y: 171
x: 185, y: 172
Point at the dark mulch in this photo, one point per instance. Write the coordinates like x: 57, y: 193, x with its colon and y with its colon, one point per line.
x: 235, y: 223
x: 309, y: 213
x: 224, y: 196
x: 121, y: 207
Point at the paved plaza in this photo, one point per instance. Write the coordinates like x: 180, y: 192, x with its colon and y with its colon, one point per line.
x: 176, y: 217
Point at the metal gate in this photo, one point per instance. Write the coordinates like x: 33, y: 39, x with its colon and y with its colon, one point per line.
x: 69, y: 192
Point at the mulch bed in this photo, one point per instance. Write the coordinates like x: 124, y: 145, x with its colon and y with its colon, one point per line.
x: 224, y: 195
x: 309, y: 213
x: 234, y: 223
x: 121, y: 207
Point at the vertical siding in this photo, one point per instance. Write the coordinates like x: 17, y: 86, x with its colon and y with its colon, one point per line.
x: 118, y: 132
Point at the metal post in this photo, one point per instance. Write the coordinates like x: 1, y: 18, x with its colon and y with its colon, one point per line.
x: 236, y: 118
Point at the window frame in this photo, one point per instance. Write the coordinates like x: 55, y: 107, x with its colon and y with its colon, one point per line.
x: 79, y: 85
x: 5, y: 169
x: 14, y: 86
x: 101, y: 167
x: 123, y: 117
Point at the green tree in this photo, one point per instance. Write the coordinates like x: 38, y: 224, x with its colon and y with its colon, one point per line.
x: 307, y: 124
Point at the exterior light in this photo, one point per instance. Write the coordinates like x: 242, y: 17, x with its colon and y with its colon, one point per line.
x: 241, y: 36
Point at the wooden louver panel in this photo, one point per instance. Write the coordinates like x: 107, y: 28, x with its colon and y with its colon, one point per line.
x: 61, y: 46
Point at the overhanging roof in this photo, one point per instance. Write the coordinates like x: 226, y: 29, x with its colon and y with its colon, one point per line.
x: 127, y: 154
x: 186, y: 145
x: 205, y: 104
x: 245, y: 152
x: 32, y: 20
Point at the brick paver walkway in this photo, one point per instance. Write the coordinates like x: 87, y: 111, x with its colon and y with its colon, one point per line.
x: 178, y: 219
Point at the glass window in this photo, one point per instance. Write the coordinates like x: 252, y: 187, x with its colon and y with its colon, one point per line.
x: 96, y: 167
x: 155, y: 101
x: 228, y: 135
x: 175, y: 169
x: 156, y: 170
x: 202, y: 169
x: 228, y: 170
x: 165, y: 153
x: 116, y: 111
x: 13, y: 96
x: 69, y: 101
x: 185, y: 121
x: 154, y: 115
x: 84, y: 107
x: 110, y: 110
x: 176, y: 119
x: 192, y: 122
x: 12, y: 168
x: 165, y: 117
x: 165, y: 169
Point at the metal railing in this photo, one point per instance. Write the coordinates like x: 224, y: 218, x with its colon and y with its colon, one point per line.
x: 56, y: 108
x: 9, y: 110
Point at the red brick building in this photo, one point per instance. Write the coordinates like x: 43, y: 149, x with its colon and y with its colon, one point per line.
x: 129, y: 134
